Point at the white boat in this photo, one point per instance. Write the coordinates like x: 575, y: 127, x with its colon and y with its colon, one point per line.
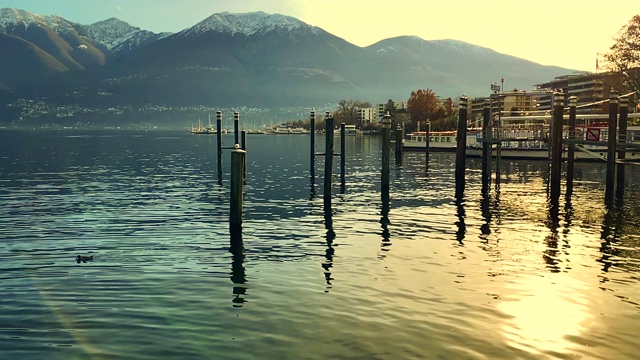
x: 529, y: 140
x: 351, y: 130
x: 288, y: 129
x: 438, y: 140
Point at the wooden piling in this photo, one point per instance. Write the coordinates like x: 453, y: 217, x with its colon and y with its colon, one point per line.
x: 243, y: 146
x: 461, y: 146
x: 498, y: 134
x: 556, y: 145
x: 237, y: 180
x: 236, y: 128
x: 428, y: 140
x: 622, y: 139
x: 398, y: 144
x: 328, y: 159
x: 219, y: 142
x: 343, y: 152
x: 386, y: 130
x: 486, y: 147
x: 312, y: 155
x: 611, y: 147
x: 571, y: 151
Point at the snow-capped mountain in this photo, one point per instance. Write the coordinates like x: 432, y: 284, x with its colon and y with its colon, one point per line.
x: 117, y: 35
x: 13, y: 18
x: 238, y: 59
x: 248, y: 24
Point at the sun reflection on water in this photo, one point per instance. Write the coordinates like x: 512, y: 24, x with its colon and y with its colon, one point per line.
x: 544, y: 312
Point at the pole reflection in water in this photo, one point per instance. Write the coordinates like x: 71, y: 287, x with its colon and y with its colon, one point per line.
x: 550, y: 254
x: 485, y: 210
x: 460, y: 213
x: 329, y: 252
x: 384, y: 220
x: 610, y: 234
x: 238, y: 276
x: 312, y: 190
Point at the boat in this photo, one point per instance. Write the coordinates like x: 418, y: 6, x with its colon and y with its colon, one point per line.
x: 206, y: 130
x: 288, y: 129
x: 527, y: 137
x: 438, y: 140
x: 351, y: 130
x: 199, y: 129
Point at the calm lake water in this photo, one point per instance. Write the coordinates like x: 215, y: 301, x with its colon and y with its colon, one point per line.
x: 503, y: 276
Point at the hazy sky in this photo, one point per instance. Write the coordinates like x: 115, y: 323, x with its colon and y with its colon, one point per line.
x: 567, y: 33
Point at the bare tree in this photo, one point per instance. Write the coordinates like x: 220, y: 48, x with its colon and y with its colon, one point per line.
x: 624, y: 55
x: 347, y: 111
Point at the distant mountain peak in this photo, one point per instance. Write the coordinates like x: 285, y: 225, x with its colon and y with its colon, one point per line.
x: 248, y: 23
x: 13, y: 17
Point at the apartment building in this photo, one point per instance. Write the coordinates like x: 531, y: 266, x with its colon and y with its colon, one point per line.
x: 588, y: 88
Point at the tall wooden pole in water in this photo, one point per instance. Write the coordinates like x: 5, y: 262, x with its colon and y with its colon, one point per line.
x: 486, y: 147
x: 312, y: 154
x: 556, y: 144
x: 428, y: 140
x: 622, y: 125
x: 611, y: 147
x: 219, y: 138
x: 461, y: 146
x: 328, y: 159
x: 243, y: 146
x: 236, y: 128
x: 237, y: 179
x: 386, y: 130
x: 398, y: 144
x: 571, y: 152
x: 343, y: 152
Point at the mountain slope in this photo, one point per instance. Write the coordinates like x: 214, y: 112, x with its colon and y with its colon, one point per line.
x: 255, y: 59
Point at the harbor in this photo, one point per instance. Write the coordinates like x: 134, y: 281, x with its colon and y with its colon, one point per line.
x: 406, y: 275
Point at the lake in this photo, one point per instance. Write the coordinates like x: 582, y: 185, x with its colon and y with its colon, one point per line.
x: 422, y: 276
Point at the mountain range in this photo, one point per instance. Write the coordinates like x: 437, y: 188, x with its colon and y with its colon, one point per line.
x: 251, y: 59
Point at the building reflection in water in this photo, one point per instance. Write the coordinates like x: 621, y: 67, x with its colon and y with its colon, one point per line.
x: 238, y: 276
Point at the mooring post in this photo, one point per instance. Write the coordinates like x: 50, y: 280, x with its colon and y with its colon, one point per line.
x: 312, y: 155
x: 428, y: 138
x: 237, y: 180
x: 486, y: 147
x: 236, y: 128
x: 498, y: 134
x: 556, y: 144
x: 571, y: 151
x: 343, y: 152
x: 611, y: 146
x: 328, y: 158
x: 219, y: 138
x: 243, y: 146
x: 622, y: 136
x: 398, y: 144
x: 461, y: 146
x: 386, y: 130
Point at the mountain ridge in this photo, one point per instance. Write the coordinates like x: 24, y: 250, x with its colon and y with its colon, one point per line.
x: 242, y: 59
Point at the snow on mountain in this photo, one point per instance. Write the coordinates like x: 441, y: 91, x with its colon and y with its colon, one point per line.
x: 111, y: 32
x: 248, y: 24
x: 10, y: 18
x: 117, y: 35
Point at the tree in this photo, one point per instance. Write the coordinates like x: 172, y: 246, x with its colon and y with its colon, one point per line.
x: 347, y: 111
x: 624, y: 56
x: 422, y: 105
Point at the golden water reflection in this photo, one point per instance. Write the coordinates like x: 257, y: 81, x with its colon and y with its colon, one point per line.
x: 544, y: 312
